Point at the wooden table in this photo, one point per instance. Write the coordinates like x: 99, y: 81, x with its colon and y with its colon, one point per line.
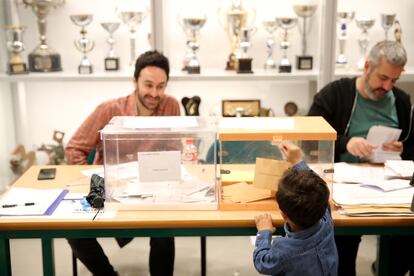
x: 164, y: 223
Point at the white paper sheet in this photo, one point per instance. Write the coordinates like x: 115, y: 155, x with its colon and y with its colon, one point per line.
x: 379, y: 135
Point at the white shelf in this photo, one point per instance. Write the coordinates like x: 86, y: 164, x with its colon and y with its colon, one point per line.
x: 175, y: 75
x: 406, y: 76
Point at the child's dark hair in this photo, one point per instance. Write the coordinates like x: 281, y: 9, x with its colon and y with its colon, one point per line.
x: 303, y: 196
x: 152, y: 58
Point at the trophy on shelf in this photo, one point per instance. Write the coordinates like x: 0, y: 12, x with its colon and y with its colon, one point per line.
x: 305, y: 61
x: 387, y: 20
x: 270, y: 26
x: 397, y: 31
x: 83, y: 44
x: 343, y: 19
x: 191, y: 105
x: 364, y: 25
x: 286, y: 23
x: 43, y: 58
x: 111, y: 60
x: 234, y: 19
x: 244, y: 61
x: 132, y: 19
x: 14, y: 43
x: 192, y: 26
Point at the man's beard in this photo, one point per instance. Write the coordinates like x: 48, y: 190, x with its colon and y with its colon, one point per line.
x: 371, y: 93
x: 141, y: 99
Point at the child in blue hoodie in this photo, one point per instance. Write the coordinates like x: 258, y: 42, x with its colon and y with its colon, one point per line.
x: 308, y: 248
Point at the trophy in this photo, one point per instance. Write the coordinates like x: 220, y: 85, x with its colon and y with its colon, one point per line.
x: 343, y: 19
x: 191, y: 27
x: 244, y: 61
x: 236, y: 17
x: 14, y: 44
x: 304, y: 62
x: 397, y: 31
x: 270, y: 26
x: 387, y: 20
x: 364, y: 25
x: 286, y: 23
x: 83, y: 44
x: 43, y: 58
x: 132, y: 19
x: 191, y: 105
x: 111, y: 60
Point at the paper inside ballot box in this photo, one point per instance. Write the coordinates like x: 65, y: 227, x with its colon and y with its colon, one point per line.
x: 244, y: 193
x: 268, y: 172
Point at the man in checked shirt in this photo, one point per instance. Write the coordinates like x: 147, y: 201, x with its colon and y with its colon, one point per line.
x: 148, y: 99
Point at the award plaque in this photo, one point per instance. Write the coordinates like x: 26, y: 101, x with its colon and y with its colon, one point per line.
x: 14, y: 43
x: 240, y: 108
x: 304, y: 61
x: 83, y: 44
x: 191, y: 105
x: 111, y: 60
x: 43, y: 58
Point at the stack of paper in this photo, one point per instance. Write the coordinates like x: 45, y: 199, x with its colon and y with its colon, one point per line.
x: 364, y: 191
x: 243, y: 192
x: 30, y: 202
x: 399, y: 169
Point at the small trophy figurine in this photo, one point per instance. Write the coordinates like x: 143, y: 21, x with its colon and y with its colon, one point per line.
x: 244, y: 61
x: 286, y: 23
x: 387, y: 20
x: 364, y: 25
x: 111, y: 60
x: 16, y: 64
x: 84, y: 44
x: 270, y: 26
x: 191, y: 105
x: 304, y: 61
x: 343, y: 19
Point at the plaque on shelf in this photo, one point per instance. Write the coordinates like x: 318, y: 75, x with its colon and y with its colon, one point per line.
x: 241, y: 108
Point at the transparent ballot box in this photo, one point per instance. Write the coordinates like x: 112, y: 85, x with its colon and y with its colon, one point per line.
x: 251, y: 162
x: 158, y: 163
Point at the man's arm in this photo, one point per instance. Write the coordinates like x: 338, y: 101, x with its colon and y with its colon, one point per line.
x: 87, y: 137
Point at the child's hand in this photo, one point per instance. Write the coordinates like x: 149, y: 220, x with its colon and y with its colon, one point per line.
x: 264, y: 222
x: 291, y: 152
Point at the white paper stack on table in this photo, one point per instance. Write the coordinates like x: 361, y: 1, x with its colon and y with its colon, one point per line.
x: 369, y: 191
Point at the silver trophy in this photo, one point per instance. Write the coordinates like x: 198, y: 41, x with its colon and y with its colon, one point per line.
x: 286, y: 23
x: 270, y: 26
x: 364, y: 25
x: 43, y: 58
x: 343, y: 19
x: 245, y: 61
x: 111, y: 60
x: 192, y: 26
x: 233, y: 19
x: 132, y: 19
x: 387, y: 20
x: 14, y: 36
x: 304, y: 61
x: 84, y: 44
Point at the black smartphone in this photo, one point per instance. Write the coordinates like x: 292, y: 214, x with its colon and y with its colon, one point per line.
x: 45, y: 174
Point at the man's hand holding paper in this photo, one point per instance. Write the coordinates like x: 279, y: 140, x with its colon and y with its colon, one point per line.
x: 387, y: 138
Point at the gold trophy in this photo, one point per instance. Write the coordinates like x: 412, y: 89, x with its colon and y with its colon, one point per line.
x: 397, y: 31
x: 83, y: 44
x: 14, y: 44
x: 43, y: 58
x: 234, y: 19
